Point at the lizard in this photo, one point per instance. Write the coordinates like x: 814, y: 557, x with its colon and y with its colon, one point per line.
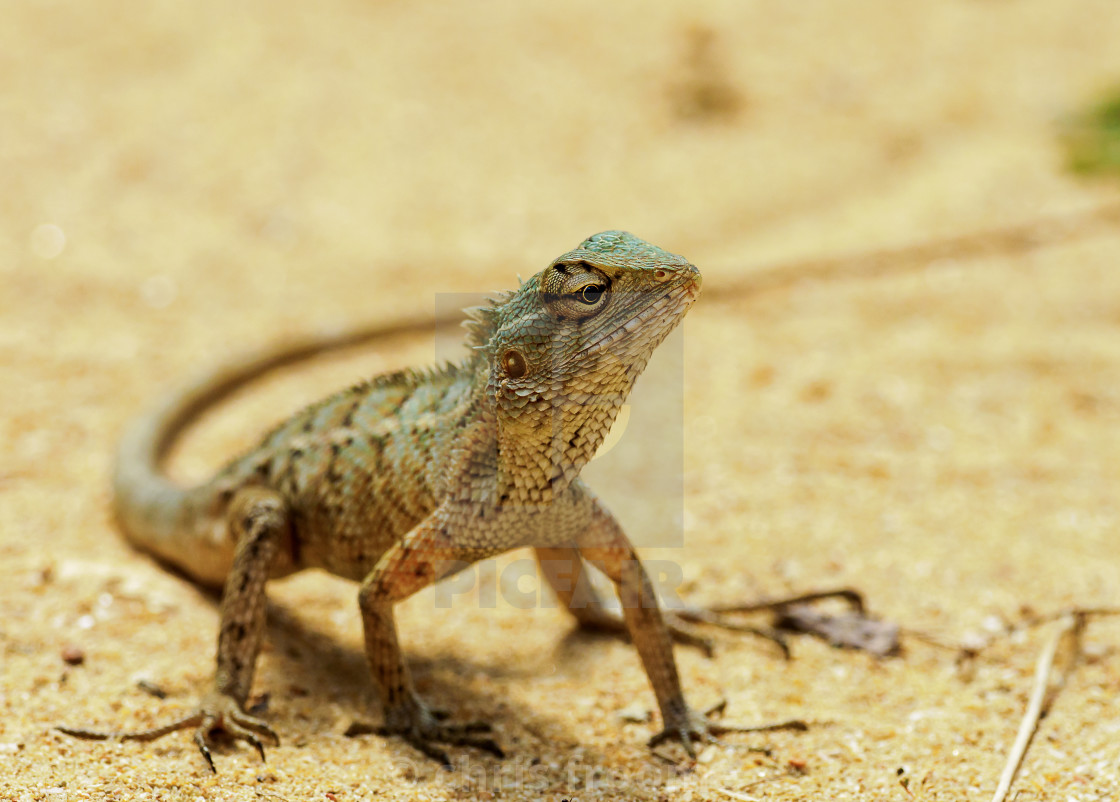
x: 402, y: 480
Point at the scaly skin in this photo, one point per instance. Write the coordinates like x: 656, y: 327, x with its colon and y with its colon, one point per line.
x: 401, y: 481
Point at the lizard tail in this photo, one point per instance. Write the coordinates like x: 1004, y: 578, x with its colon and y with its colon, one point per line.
x: 173, y: 522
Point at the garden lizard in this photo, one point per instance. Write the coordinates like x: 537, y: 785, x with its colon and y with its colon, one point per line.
x: 403, y: 480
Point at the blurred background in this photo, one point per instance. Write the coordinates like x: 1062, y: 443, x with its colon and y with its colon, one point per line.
x: 905, y: 374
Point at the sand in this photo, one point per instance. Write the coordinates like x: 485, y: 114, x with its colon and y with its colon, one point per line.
x: 938, y: 427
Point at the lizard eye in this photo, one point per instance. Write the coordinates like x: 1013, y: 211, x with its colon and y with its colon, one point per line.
x: 575, y: 291
x: 591, y: 294
x: 513, y: 363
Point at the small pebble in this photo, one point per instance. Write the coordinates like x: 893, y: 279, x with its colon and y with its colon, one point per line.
x: 72, y: 655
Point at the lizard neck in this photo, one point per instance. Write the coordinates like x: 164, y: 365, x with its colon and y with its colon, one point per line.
x: 544, y: 444
x: 530, y: 455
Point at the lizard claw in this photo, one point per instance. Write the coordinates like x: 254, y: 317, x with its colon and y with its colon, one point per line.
x: 224, y: 715
x: 217, y: 713
x: 690, y: 727
x: 423, y: 729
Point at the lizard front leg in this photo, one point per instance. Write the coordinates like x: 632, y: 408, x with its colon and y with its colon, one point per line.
x: 425, y: 555
x: 606, y: 546
x: 259, y: 519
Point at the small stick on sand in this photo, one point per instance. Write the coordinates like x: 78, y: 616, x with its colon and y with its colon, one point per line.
x: 1070, y: 626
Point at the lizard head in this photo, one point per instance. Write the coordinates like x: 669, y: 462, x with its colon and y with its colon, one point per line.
x: 565, y: 349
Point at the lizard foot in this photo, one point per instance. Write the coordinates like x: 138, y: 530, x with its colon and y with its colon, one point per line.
x: 721, y: 616
x: 680, y: 627
x: 217, y: 713
x: 691, y: 726
x: 423, y: 728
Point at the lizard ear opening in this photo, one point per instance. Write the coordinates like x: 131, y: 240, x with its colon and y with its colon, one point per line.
x: 514, y: 365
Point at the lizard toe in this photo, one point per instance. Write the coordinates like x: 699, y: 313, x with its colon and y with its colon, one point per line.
x: 222, y: 714
x: 453, y: 735
x: 693, y: 727
x: 424, y: 729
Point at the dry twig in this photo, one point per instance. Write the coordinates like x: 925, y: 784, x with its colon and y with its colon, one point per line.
x: 1042, y: 694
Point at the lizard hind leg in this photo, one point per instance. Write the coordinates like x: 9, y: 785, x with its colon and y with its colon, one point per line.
x: 563, y: 568
x: 259, y: 520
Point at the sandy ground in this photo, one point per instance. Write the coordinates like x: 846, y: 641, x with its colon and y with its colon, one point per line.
x: 939, y: 426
